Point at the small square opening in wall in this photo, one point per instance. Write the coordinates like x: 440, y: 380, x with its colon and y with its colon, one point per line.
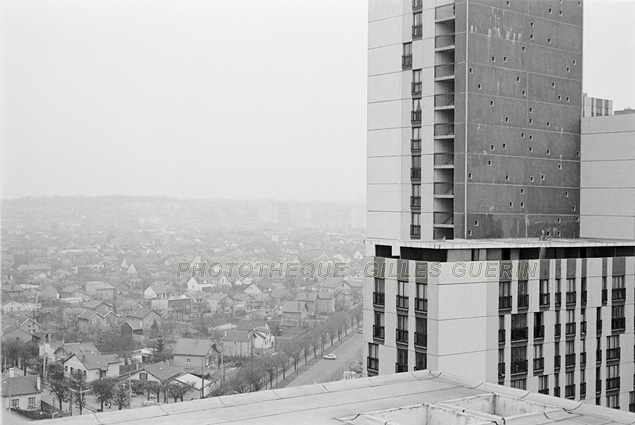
x: 489, y: 162
x: 469, y: 175
x: 511, y: 204
x: 560, y: 12
x: 492, y: 147
x: 548, y: 124
x: 559, y: 166
x: 507, y: 177
x: 476, y: 223
x: 522, y: 205
x: 522, y: 135
x: 469, y: 233
x: 518, y: 79
x: 479, y: 86
x: 553, y: 84
x: 568, y: 99
x: 574, y: 61
x: 577, y: 219
x: 531, y: 36
x: 506, y: 119
x: 550, y: 10
x: 568, y: 69
x: 573, y: 208
x: 493, y: 58
x: 491, y: 103
x: 542, y: 177
x: 504, y: 58
x: 522, y: 191
x: 531, y: 178
x: 524, y: 92
x: 531, y: 120
x: 471, y: 71
x: 558, y: 233
x: 531, y: 148
x: 558, y: 220
x: 531, y: 24
x: 566, y: 194
x: 548, y: 233
x: 504, y: 145
x: 549, y: 40
x: 559, y: 98
x: 577, y: 154
x: 524, y: 49
x: 531, y: 137
x: 508, y: 2
x: 548, y: 151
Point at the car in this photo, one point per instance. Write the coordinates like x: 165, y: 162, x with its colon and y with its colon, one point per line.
x: 330, y: 357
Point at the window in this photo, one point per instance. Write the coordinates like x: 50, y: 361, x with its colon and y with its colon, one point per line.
x: 416, y: 24
x: 143, y: 376
x: 402, y: 357
x: 15, y: 403
x: 32, y: 402
x: 613, y: 401
x: 543, y: 384
x: 420, y: 359
x: 402, y: 288
x: 373, y: 350
x: 416, y: 219
x: 416, y: 105
x: 519, y: 383
x: 416, y: 81
x: 188, y: 360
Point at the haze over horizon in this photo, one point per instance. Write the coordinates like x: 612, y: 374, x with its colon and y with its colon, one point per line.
x: 195, y: 99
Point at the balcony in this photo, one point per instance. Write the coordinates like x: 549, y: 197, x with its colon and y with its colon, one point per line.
x: 520, y: 334
x: 582, y: 359
x: 372, y: 363
x: 415, y: 173
x: 518, y: 367
x: 444, y: 41
x: 444, y: 189
x: 501, y: 336
x: 505, y: 303
x: 379, y: 332
x: 501, y: 369
x: 444, y: 101
x: 539, y: 332
x: 415, y: 145
x: 556, y: 392
x: 598, y: 386
x: 415, y: 202
x: 571, y: 298
x: 444, y: 72
x: 545, y: 391
x: 584, y: 297
x: 539, y: 364
x: 613, y: 353
x: 415, y: 117
x: 598, y: 327
x: 445, y: 159
x: 443, y: 219
x: 556, y: 330
x: 421, y: 340
x: 400, y: 367
x: 545, y: 300
x: 402, y: 302
x: 570, y: 329
x: 598, y: 356
x: 406, y: 62
x: 618, y: 295
x: 415, y: 231
x: 443, y: 13
x: 444, y: 130
x: 569, y: 391
x: 569, y: 360
x: 605, y: 296
x: 523, y: 301
x: 402, y: 336
x: 417, y: 4
x: 379, y: 299
x: 556, y: 362
x: 582, y: 390
x: 613, y: 384
x: 558, y: 299
x: 416, y: 89
x: 417, y: 31
x: 421, y: 305
x: 583, y: 327
x: 618, y: 324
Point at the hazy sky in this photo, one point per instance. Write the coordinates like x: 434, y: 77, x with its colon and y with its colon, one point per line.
x: 189, y: 98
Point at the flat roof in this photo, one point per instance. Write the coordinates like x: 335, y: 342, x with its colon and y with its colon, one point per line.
x: 361, y: 401
x: 505, y: 243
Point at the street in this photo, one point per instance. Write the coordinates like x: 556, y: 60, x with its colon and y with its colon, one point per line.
x: 329, y: 370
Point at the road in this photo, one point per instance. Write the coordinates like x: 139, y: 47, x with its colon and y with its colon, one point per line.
x: 329, y: 370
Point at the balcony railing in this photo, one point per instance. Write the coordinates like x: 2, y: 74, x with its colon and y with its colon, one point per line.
x: 421, y: 304
x: 605, y: 296
x: 379, y: 298
x: 415, y: 173
x: 442, y: 41
x: 544, y: 300
x: 505, y: 303
x: 519, y: 334
x: 556, y: 361
x: 582, y: 390
x: 598, y: 356
x: 523, y: 301
x: 570, y: 329
x: 598, y: 327
x: 415, y: 117
x: 613, y: 353
x: 443, y: 129
x: 583, y: 297
x: 446, y: 189
x: 417, y: 31
x: 442, y: 100
x: 415, y: 230
x: 421, y: 340
x: 372, y: 363
x: 444, y: 12
x: 444, y: 71
x: 379, y: 332
x: 406, y: 61
x: 501, y: 369
x: 539, y: 332
x: 582, y: 359
x: 618, y: 294
x: 618, y: 324
x: 443, y: 218
x: 415, y: 145
x: 583, y: 327
x: 569, y: 360
x: 545, y: 391
x: 519, y: 366
x: 402, y: 302
x: 539, y: 364
x: 415, y: 201
x: 598, y: 386
x: 416, y: 88
x: 556, y: 330
x: 569, y: 391
x: 571, y: 298
x: 444, y: 158
x: 417, y: 4
x: 558, y: 298
x: 400, y: 367
x: 501, y: 336
x: 612, y: 383
x: 402, y: 335
x: 556, y: 392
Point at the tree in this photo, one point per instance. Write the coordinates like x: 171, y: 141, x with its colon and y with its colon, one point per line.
x: 293, y: 350
x: 104, y: 390
x: 28, y: 351
x: 60, y: 386
x: 79, y: 383
x: 177, y: 390
x: 155, y: 332
x: 10, y: 352
x: 121, y: 396
x: 152, y: 387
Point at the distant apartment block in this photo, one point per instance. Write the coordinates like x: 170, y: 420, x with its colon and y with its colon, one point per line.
x: 596, y: 107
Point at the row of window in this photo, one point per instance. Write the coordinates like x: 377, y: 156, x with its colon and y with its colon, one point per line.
x: 372, y: 362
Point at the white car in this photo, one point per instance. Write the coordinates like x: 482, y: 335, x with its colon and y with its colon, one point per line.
x: 330, y: 357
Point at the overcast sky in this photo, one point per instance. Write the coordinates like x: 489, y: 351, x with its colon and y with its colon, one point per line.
x: 189, y: 98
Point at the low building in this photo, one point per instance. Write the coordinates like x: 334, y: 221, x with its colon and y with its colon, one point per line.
x: 93, y: 366
x: 100, y: 290
x: 192, y: 353
x: 21, y: 392
x: 158, y: 372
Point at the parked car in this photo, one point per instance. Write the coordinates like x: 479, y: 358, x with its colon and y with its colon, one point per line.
x: 330, y: 357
